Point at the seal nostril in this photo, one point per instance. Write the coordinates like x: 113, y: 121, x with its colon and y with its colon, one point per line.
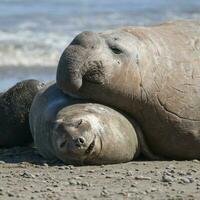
x: 79, y: 141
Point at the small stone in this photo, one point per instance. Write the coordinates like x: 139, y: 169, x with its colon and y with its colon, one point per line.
x: 85, y: 184
x: 189, y: 173
x: 185, y: 180
x: 109, y: 176
x: 104, y: 193
x: 61, y: 167
x: 181, y: 173
x: 167, y: 178
x: 45, y: 165
x: 55, y: 185
x: 153, y: 189
x: 25, y: 188
x: 73, y: 182
x: 49, y: 189
x: 2, y: 162
x: 82, y: 175
x: 10, y: 194
x: 91, y: 171
x: 69, y: 167
x: 26, y: 174
x: 133, y: 185
x: 142, y: 178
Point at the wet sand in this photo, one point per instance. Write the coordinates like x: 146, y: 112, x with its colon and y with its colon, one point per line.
x: 24, y: 174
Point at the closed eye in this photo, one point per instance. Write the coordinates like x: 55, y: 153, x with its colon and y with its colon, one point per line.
x: 116, y: 50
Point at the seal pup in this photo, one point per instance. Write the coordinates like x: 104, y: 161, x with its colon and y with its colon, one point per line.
x: 15, y: 104
x: 78, y: 132
x: 152, y: 73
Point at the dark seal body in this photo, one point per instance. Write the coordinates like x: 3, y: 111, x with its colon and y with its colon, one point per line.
x: 152, y: 73
x: 15, y: 104
x: 78, y: 132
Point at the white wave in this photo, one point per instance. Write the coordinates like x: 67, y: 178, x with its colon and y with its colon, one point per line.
x: 26, y: 48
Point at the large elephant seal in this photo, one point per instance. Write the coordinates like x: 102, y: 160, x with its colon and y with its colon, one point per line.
x: 77, y: 132
x: 15, y: 104
x: 152, y: 73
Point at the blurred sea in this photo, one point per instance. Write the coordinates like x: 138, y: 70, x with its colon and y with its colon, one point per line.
x: 33, y: 33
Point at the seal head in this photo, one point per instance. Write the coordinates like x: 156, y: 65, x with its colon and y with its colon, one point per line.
x: 76, y: 141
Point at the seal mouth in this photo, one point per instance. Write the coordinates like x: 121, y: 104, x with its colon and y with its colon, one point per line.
x: 90, y: 81
x: 91, y: 147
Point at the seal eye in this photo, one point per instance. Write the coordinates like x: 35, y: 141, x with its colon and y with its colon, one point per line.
x: 116, y: 50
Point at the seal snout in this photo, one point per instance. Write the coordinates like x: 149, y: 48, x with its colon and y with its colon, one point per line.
x: 75, y: 62
x: 79, y: 142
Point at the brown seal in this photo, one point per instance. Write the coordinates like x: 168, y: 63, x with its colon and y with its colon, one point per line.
x: 77, y: 132
x: 152, y: 73
x: 15, y: 104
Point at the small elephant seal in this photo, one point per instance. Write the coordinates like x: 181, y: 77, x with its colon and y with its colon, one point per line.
x: 80, y: 133
x: 152, y: 73
x: 15, y: 104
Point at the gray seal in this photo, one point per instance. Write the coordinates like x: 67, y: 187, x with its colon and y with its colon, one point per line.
x: 15, y: 104
x: 152, y: 73
x: 78, y: 132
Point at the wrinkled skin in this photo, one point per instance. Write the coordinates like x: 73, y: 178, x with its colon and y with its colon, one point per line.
x: 152, y: 73
x: 15, y: 104
x: 80, y: 133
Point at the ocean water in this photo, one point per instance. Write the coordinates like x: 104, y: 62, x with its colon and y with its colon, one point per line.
x: 33, y: 33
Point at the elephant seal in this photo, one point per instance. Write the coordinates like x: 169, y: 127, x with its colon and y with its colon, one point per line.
x: 152, y: 73
x: 78, y: 132
x: 15, y: 104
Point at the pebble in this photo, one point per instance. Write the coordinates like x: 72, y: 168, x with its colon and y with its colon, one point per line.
x: 73, y: 182
x: 10, y: 194
x: 26, y: 174
x: 2, y: 162
x: 82, y: 175
x: 45, y: 165
x: 142, y: 178
x: 167, y: 178
x: 153, y: 189
x: 134, y: 185
x: 181, y: 173
x: 104, y: 193
x: 61, y: 167
x: 91, y: 171
x: 109, y: 176
x: 55, y: 185
x: 186, y: 180
x: 85, y: 184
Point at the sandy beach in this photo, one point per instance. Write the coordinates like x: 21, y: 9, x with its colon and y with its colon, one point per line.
x: 26, y: 175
